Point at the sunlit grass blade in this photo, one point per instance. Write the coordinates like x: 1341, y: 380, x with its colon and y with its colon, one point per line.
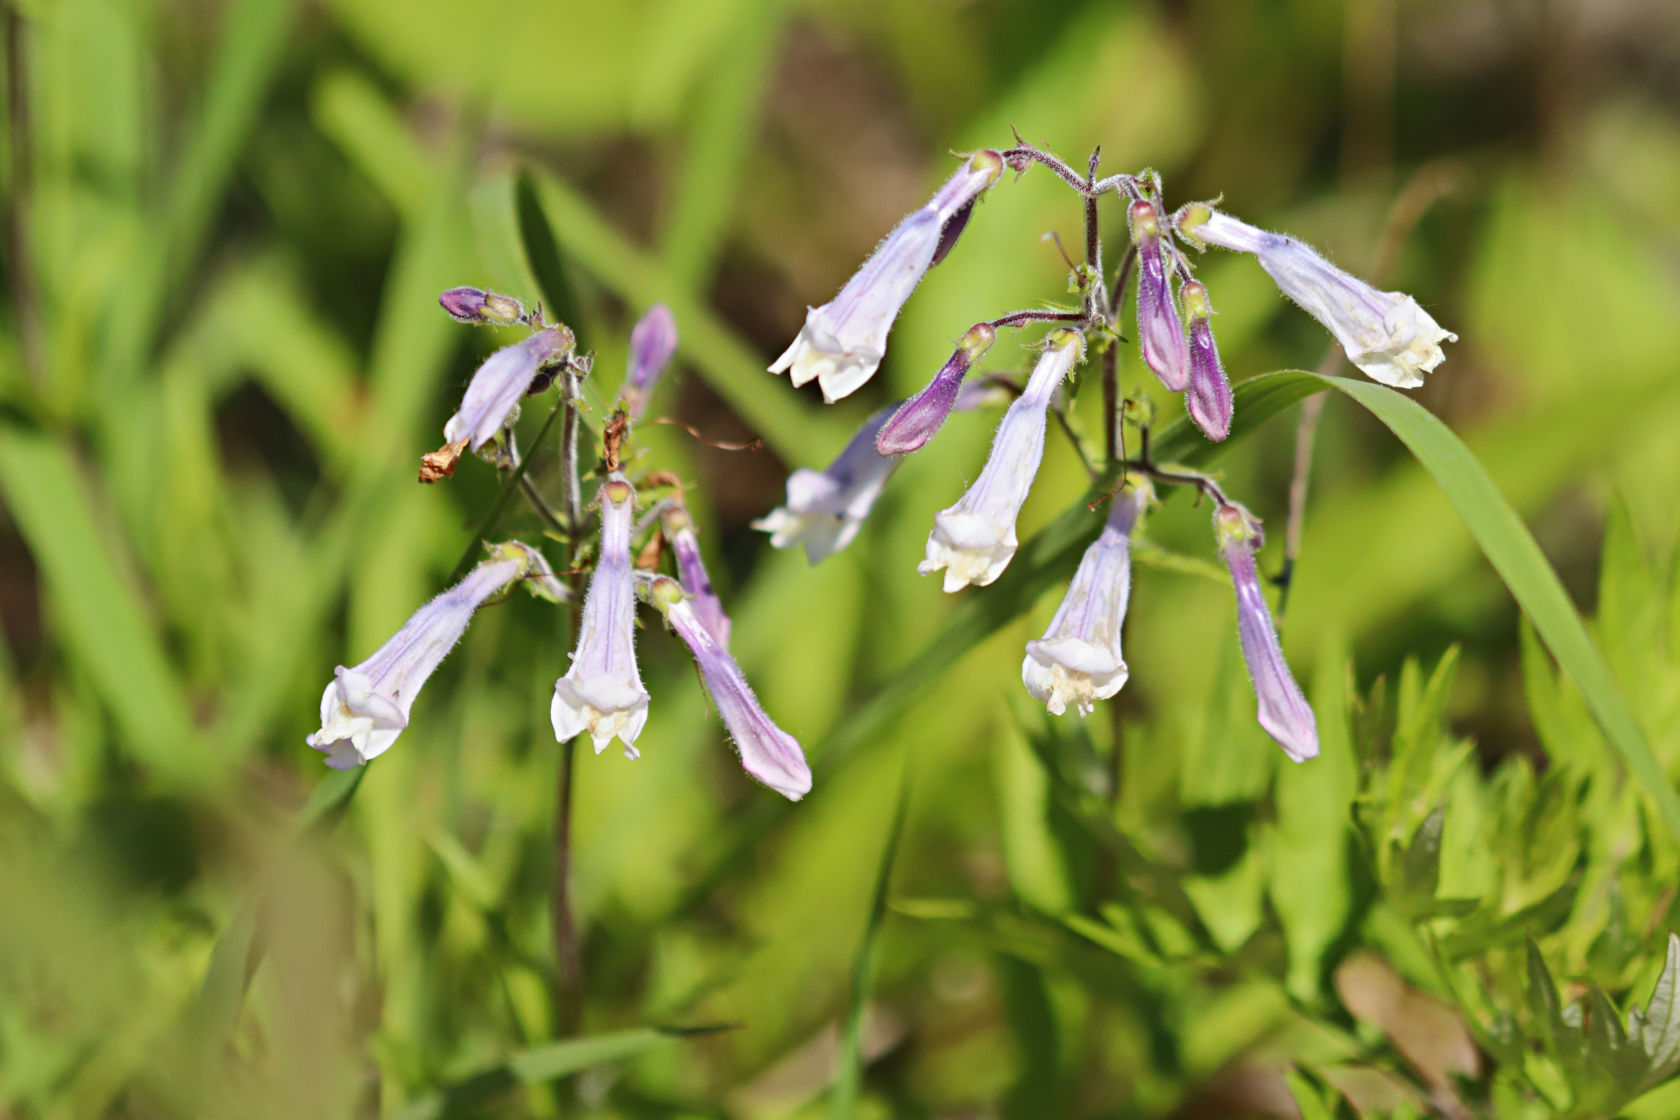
x: 1512, y: 551
x: 541, y: 1064
x: 848, y: 1079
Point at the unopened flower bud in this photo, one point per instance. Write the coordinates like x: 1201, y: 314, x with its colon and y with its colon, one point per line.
x: 974, y: 540
x: 652, y: 342
x: 474, y: 305
x: 920, y: 418
x: 843, y: 341
x: 1160, y: 331
x: 1209, y: 398
x: 767, y: 752
x: 1283, y: 711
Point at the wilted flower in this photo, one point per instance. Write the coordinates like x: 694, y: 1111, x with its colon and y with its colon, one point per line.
x: 474, y: 305
x: 825, y: 509
x: 652, y: 342
x: 602, y: 691
x: 691, y: 570
x: 974, y: 540
x: 1386, y: 334
x: 767, y: 752
x: 1283, y: 711
x: 843, y: 341
x: 1209, y: 398
x: 920, y: 417
x: 1078, y: 661
x: 494, y: 392
x: 1160, y: 331
x: 364, y: 709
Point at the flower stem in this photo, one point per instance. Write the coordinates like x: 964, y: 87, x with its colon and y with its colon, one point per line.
x: 569, y: 992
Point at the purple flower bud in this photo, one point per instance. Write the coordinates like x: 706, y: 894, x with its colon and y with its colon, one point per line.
x: 1283, y: 711
x: 1078, y: 661
x: 652, y: 342
x: 364, y: 709
x: 474, y: 305
x: 602, y: 692
x: 492, y: 398
x: 1160, y: 331
x: 1209, y: 398
x: 825, y: 509
x: 767, y: 752
x: 843, y: 341
x: 1385, y: 334
x: 974, y: 540
x: 919, y: 418
x: 679, y: 530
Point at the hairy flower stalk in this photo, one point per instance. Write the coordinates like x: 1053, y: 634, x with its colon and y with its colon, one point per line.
x: 974, y: 540
x: 1385, y: 334
x: 920, y: 418
x: 652, y: 342
x: 1078, y: 661
x: 843, y: 341
x: 364, y: 709
x: 1283, y: 711
x: 825, y: 509
x: 1209, y: 398
x: 602, y: 692
x: 493, y: 394
x: 1160, y: 330
x: 691, y: 570
x: 767, y: 752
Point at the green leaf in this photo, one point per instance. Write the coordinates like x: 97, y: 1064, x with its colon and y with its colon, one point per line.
x: 848, y: 1078
x: 1420, y: 868
x: 1512, y: 551
x: 1659, y: 1030
x: 542, y: 1064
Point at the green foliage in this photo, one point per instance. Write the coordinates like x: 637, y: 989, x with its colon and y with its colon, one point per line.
x: 220, y: 358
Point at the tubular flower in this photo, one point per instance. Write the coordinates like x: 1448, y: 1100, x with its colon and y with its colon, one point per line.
x: 1385, y: 334
x: 1209, y: 398
x: 920, y: 418
x: 364, y: 709
x: 1160, y: 331
x: 602, y: 691
x: 493, y: 394
x: 652, y: 342
x: 1078, y: 661
x: 843, y: 341
x: 679, y: 530
x: 767, y: 752
x: 1283, y: 711
x: 825, y: 509
x: 974, y: 540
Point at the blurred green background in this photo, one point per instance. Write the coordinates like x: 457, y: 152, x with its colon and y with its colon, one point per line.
x: 220, y: 358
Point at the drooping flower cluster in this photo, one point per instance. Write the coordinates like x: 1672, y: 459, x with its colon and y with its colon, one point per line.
x: 601, y: 693
x: 1078, y: 661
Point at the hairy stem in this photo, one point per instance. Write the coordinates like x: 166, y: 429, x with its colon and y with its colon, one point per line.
x: 568, y: 959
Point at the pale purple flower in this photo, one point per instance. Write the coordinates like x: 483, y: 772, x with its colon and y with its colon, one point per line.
x: 1283, y: 712
x: 1078, y: 661
x: 652, y: 342
x: 1385, y: 334
x: 475, y: 305
x: 602, y: 692
x: 1160, y: 330
x: 825, y: 509
x: 843, y: 341
x: 492, y: 396
x: 920, y: 418
x: 691, y: 570
x: 364, y: 709
x: 974, y: 540
x: 1209, y: 398
x: 767, y: 752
